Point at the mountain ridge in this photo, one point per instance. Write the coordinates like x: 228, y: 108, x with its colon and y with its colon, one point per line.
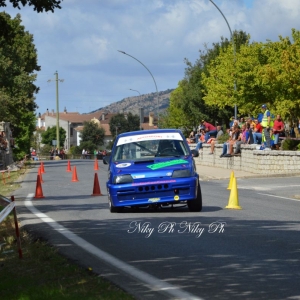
x: 149, y: 102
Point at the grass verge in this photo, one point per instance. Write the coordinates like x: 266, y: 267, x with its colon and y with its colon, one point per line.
x: 43, y: 273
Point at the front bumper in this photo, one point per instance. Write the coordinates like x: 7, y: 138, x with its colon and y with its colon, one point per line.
x: 154, y: 191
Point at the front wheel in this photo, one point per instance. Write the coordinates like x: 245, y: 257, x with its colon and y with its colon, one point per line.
x: 112, y: 208
x: 196, y: 204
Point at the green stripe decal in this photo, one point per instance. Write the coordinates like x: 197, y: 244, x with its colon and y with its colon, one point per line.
x: 167, y: 164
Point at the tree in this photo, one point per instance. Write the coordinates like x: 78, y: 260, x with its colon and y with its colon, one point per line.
x: 119, y: 123
x: 187, y: 105
x: 174, y: 116
x: 280, y: 76
x: 50, y: 134
x: 265, y: 72
x: 38, y: 5
x: 18, y: 62
x: 92, y: 133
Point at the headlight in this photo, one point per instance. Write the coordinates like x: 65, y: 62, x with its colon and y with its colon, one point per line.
x: 119, y: 179
x: 182, y: 173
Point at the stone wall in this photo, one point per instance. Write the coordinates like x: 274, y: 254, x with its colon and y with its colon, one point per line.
x: 252, y: 160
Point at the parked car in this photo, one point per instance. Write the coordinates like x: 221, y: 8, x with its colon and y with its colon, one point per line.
x: 152, y: 168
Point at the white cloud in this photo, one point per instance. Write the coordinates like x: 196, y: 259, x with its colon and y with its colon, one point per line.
x: 81, y: 42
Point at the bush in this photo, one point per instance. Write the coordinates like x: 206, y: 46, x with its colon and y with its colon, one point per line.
x: 45, y: 150
x: 75, y: 150
x: 289, y: 144
x: 223, y: 138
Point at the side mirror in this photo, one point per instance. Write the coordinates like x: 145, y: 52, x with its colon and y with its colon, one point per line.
x: 195, y: 153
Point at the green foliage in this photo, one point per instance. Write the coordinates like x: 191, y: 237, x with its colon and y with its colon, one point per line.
x: 289, y: 144
x: 75, y: 150
x: 36, y: 139
x: 43, y: 273
x: 38, y: 6
x: 92, y: 133
x: 187, y: 105
x: 264, y: 72
x: 45, y: 150
x: 119, y: 124
x: 18, y: 64
x: 223, y: 138
x: 50, y: 134
x: 88, y: 146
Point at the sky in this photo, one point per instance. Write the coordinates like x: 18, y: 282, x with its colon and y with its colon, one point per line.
x: 81, y: 42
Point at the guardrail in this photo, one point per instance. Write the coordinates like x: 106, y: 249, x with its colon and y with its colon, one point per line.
x: 9, y: 205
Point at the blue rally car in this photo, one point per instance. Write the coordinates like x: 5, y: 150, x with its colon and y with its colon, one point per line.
x: 152, y: 168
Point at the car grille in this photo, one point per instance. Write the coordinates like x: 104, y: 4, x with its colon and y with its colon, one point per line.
x: 152, y: 191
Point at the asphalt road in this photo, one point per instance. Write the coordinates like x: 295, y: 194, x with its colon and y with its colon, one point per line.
x: 253, y: 253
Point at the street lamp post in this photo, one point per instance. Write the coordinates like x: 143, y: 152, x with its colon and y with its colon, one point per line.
x: 136, y: 91
x: 157, y: 109
x: 234, y: 50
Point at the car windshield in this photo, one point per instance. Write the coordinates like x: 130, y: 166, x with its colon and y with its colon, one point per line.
x: 139, y: 147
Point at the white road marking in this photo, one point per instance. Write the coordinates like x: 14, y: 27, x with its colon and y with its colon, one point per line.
x: 278, y: 197
x: 154, y: 283
x: 267, y: 187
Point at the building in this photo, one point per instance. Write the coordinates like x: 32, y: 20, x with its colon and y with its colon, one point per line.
x: 72, y: 123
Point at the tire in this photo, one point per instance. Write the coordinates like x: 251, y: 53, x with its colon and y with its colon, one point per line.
x: 196, y: 204
x: 112, y: 208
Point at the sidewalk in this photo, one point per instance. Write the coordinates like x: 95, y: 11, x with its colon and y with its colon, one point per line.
x: 213, y: 173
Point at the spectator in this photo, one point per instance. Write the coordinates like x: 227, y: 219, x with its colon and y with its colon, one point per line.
x: 83, y: 153
x: 243, y: 139
x: 266, y: 123
x: 211, y: 130
x: 33, y: 154
x: 215, y: 140
x: 202, y: 140
x: 228, y: 146
x: 257, y: 134
x: 278, y: 129
x: 191, y: 139
x: 95, y: 153
x: 198, y: 133
x: 62, y: 153
x: 51, y: 152
x: 251, y: 131
x: 242, y: 122
x: 231, y: 122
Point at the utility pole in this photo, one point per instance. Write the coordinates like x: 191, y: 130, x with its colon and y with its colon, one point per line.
x: 57, y: 109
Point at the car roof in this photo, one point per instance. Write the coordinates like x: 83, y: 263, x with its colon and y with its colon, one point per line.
x: 131, y: 133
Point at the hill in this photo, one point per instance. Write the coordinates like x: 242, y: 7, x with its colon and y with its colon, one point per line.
x: 147, y: 101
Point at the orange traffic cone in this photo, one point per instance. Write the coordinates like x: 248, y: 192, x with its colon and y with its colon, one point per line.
x: 42, y: 168
x: 40, y: 173
x: 96, y: 189
x: 69, y: 167
x: 96, y: 167
x: 38, y: 190
x: 74, y: 177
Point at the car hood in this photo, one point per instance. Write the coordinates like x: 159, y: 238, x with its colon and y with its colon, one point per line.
x: 152, y: 168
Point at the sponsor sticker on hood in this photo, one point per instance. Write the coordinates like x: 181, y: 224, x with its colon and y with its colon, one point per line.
x: 123, y: 165
x: 167, y: 164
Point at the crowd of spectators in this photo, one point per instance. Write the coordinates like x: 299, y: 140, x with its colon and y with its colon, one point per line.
x: 264, y: 131
x: 55, y: 152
